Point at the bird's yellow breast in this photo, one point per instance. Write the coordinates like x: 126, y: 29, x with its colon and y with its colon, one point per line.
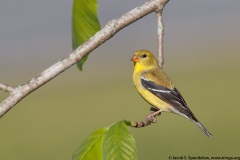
x: 148, y: 96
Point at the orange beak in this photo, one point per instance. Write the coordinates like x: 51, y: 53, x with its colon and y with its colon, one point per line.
x: 135, y: 59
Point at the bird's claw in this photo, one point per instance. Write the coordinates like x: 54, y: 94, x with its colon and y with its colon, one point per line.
x: 152, y: 117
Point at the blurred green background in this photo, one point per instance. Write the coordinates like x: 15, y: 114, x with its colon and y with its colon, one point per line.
x: 201, y: 57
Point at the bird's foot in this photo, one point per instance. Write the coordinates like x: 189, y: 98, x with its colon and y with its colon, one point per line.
x: 152, y: 116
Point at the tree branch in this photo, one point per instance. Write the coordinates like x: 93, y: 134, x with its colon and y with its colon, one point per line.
x: 6, y: 88
x: 160, y: 34
x: 110, y: 29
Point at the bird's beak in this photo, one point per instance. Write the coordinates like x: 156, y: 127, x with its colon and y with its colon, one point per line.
x: 135, y: 59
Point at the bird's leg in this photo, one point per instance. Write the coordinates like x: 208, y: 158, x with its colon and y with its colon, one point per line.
x: 154, y: 109
x: 151, y: 118
x: 153, y: 114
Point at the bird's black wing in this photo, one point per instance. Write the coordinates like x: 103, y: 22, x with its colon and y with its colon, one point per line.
x: 173, y: 98
x: 170, y: 96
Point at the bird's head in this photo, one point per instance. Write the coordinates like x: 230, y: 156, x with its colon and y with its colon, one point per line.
x: 144, y: 58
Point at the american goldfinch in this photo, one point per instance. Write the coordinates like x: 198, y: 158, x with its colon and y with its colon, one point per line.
x: 157, y: 89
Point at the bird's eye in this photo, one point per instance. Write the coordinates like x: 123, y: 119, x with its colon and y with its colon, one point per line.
x: 144, y: 56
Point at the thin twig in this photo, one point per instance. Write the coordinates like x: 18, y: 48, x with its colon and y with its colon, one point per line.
x: 6, y: 88
x: 160, y: 38
x: 99, y: 38
x: 160, y: 34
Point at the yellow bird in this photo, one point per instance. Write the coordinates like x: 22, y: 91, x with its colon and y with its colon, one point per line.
x: 157, y: 89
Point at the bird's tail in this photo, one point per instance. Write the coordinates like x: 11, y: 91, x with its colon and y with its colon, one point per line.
x: 208, y: 134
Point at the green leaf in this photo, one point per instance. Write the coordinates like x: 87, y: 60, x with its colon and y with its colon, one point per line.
x: 118, y: 143
x: 114, y: 142
x: 85, y: 23
x: 91, y: 148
